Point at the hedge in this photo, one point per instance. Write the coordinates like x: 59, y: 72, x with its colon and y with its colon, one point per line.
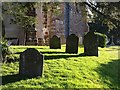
x: 102, y: 38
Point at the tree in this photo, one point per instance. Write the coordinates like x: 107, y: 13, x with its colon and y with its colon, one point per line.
x: 20, y: 13
x: 106, y: 12
x: 105, y: 15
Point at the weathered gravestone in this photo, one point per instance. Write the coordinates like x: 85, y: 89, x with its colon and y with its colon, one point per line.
x: 90, y: 44
x: 31, y: 63
x: 72, y: 44
x: 55, y: 42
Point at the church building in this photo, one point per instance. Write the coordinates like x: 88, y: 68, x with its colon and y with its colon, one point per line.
x: 48, y: 25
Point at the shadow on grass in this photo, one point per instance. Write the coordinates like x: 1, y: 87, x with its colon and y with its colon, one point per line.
x: 58, y: 55
x: 45, y: 52
x: 17, y: 53
x: 65, y: 56
x: 13, y: 78
x: 25, y: 47
x: 110, y: 73
x: 53, y: 52
x: 113, y: 49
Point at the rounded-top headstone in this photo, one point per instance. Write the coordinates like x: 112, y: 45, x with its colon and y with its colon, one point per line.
x: 31, y: 63
x: 55, y: 42
x: 90, y: 44
x: 72, y: 44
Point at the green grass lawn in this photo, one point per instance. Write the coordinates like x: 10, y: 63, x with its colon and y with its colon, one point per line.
x: 62, y: 70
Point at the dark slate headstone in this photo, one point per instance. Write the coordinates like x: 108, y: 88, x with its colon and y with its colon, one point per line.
x: 72, y: 44
x: 55, y: 42
x: 31, y: 63
x: 90, y: 44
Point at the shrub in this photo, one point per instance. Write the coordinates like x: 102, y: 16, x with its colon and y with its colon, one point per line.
x: 102, y: 39
x: 6, y: 52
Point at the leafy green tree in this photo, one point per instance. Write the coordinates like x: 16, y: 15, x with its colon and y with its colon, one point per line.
x: 106, y: 12
x: 106, y: 19
x: 20, y: 12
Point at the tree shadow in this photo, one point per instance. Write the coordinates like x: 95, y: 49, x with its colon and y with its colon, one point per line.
x: 13, y: 78
x: 110, y: 73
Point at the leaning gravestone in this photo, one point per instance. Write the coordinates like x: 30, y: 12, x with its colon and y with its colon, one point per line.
x: 31, y: 63
x: 55, y: 42
x: 72, y: 44
x: 90, y: 44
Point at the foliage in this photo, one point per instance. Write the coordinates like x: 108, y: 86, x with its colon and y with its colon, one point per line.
x: 101, y: 32
x: 105, y: 12
x: 54, y: 7
x: 62, y: 70
x: 6, y: 52
x: 19, y: 11
x: 98, y: 26
x: 102, y: 39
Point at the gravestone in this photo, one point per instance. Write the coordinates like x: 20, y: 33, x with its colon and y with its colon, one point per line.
x: 31, y: 63
x: 55, y: 42
x: 90, y: 44
x: 72, y: 44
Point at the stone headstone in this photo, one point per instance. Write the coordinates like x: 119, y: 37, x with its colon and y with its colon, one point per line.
x: 55, y: 42
x: 72, y: 44
x: 90, y: 44
x: 31, y: 63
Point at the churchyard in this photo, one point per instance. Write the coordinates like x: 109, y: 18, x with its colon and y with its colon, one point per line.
x: 48, y: 45
x: 64, y: 70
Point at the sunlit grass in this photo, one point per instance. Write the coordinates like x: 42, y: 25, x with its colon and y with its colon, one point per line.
x: 63, y: 70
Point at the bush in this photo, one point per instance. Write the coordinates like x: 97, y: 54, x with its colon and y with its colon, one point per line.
x: 6, y: 52
x: 102, y: 39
